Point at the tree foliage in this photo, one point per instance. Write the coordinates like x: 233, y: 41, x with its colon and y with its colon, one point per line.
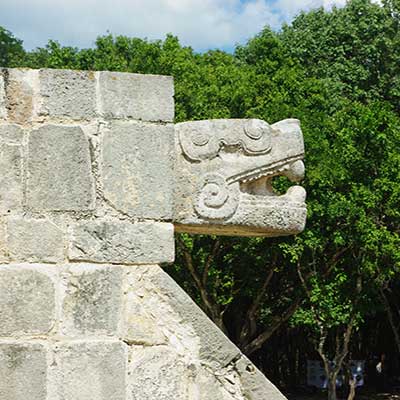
x: 11, y: 50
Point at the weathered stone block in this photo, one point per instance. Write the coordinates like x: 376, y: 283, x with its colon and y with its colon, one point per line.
x: 59, y: 169
x: 137, y: 168
x: 33, y: 240
x: 215, y: 348
x: 255, y: 385
x: 70, y: 94
x: 139, y: 325
x: 11, y: 134
x: 93, y: 299
x: 157, y: 373
x: 91, y: 371
x: 208, y: 387
x: 23, y: 372
x: 11, y: 193
x: 27, y: 301
x: 145, y: 97
x: 4, y: 254
x: 19, y: 85
x: 3, y: 110
x: 122, y: 242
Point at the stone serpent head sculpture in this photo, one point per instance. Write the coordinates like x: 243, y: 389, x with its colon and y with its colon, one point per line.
x: 224, y: 171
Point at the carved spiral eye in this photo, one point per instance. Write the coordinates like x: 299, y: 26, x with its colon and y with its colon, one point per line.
x: 254, y: 130
x: 215, y: 200
x: 200, y: 138
x: 257, y: 137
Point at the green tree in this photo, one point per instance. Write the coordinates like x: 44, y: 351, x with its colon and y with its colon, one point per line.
x: 241, y: 283
x: 344, y: 93
x: 356, y: 47
x: 11, y: 50
x: 352, y: 243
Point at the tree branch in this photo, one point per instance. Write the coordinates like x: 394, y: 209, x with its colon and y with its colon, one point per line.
x: 211, y: 306
x: 390, y: 317
x: 210, y: 258
x: 257, y: 342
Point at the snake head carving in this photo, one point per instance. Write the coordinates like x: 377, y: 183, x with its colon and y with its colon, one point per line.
x: 224, y: 171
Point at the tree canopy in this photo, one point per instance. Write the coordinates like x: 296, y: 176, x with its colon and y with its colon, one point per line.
x: 12, y: 53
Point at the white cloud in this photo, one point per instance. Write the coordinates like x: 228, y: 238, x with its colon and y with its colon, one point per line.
x: 292, y: 7
x: 199, y: 23
x: 330, y: 3
x: 289, y: 8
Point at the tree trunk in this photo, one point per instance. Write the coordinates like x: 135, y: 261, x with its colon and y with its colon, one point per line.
x: 211, y: 307
x: 332, y: 386
x: 352, y: 386
x: 390, y: 316
x: 277, y: 322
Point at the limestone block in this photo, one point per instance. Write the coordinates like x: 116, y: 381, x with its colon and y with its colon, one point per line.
x: 209, y: 387
x: 3, y: 110
x: 27, y: 301
x: 68, y: 94
x: 11, y: 137
x: 215, y: 348
x: 19, y: 85
x: 157, y: 373
x: 255, y: 385
x: 11, y: 193
x: 140, y: 325
x: 4, y: 254
x: 92, y: 302
x: 137, y: 168
x: 11, y: 134
x: 34, y: 240
x: 59, y: 169
x: 91, y: 370
x: 145, y: 97
x: 23, y: 372
x: 122, y: 242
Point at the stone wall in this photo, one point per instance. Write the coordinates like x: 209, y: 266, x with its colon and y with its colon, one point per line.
x: 86, y: 211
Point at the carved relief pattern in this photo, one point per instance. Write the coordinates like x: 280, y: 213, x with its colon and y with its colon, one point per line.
x: 204, y: 139
x: 215, y: 199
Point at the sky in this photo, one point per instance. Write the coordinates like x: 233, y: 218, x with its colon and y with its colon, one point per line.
x: 202, y: 24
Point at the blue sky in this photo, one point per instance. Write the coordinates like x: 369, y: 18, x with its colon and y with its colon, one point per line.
x: 202, y: 24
